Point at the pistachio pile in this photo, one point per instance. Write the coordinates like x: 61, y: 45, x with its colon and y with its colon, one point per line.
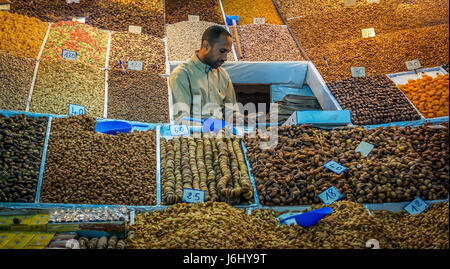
x: 404, y: 163
x: 213, y: 164
x: 21, y: 146
x: 85, y: 167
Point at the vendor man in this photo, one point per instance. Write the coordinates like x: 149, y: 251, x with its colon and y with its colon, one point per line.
x: 201, y: 88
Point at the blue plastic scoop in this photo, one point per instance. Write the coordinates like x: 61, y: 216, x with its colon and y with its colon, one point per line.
x: 112, y: 127
x: 310, y: 218
x: 213, y: 125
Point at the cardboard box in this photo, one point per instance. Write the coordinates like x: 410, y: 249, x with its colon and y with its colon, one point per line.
x: 41, y: 239
x: 39, y: 222
x: 5, y: 238
x: 19, y: 241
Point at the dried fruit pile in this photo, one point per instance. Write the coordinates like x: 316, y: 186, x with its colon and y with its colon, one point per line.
x: 154, y: 5
x: 249, y: 9
x: 49, y: 10
x: 264, y: 42
x: 147, y: 92
x: 213, y: 164
x: 16, y: 74
x: 133, y: 47
x: 373, y: 100
x: 63, y: 82
x: 220, y: 226
x: 207, y: 10
x: 429, y: 95
x: 85, y: 167
x: 185, y: 37
x: 384, y: 53
x: 20, y: 35
x: 405, y: 163
x: 21, y: 146
x: 89, y: 43
x: 101, y: 243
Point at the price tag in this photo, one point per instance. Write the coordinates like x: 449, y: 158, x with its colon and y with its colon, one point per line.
x: 177, y: 130
x: 358, y: 72
x: 135, y: 65
x: 259, y: 20
x: 5, y: 6
x: 79, y: 19
x: 330, y: 195
x: 365, y: 148
x: 69, y: 55
x: 417, y: 206
x: 135, y: 29
x: 369, y: 32
x: 193, y: 196
x: 349, y: 3
x: 72, y: 1
x: 193, y: 18
x: 413, y: 65
x: 335, y: 167
x: 373, y: 1
x: 75, y: 110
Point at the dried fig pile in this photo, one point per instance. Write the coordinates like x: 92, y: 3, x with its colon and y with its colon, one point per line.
x: 405, y: 163
x: 21, y: 146
x: 373, y: 100
x: 85, y: 167
x: 213, y: 164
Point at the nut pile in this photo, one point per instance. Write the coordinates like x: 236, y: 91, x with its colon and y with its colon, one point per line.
x: 213, y: 164
x: 405, y: 163
x: 16, y: 74
x: 154, y: 5
x: 249, y: 9
x: 21, y: 146
x: 213, y: 225
x: 347, y: 24
x: 89, y: 43
x: 85, y: 167
x: 49, y: 10
x: 101, y: 243
x: 429, y: 95
x: 185, y: 37
x: 132, y: 47
x: 373, y: 100
x: 265, y: 42
x: 63, y: 82
x: 147, y: 92
x: 207, y: 10
x: 20, y: 35
x: 384, y: 53
x: 428, y: 230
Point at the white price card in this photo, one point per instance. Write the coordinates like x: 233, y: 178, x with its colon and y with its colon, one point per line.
x: 193, y: 196
x: 73, y: 1
x: 135, y: 65
x: 178, y: 130
x: 417, y: 206
x: 335, y: 167
x: 75, y: 110
x: 330, y: 195
x: 373, y: 1
x: 358, y: 72
x: 69, y: 55
x: 369, y: 32
x: 193, y: 18
x: 5, y: 6
x: 413, y: 65
x: 365, y: 148
x: 259, y: 20
x: 79, y: 19
x: 135, y: 29
x: 349, y: 3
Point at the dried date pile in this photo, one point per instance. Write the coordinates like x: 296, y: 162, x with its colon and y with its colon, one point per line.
x: 147, y: 92
x: 85, y: 167
x: 405, y: 163
x: 21, y: 146
x: 373, y: 100
x: 213, y: 164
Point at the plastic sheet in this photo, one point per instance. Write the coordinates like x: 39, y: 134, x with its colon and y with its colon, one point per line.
x: 277, y: 92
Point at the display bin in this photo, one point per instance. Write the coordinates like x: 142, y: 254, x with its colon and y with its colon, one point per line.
x: 403, y: 77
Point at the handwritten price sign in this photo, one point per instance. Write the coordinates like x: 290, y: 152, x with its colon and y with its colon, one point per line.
x: 369, y: 32
x: 259, y: 20
x: 413, y: 65
x: 358, y: 72
x: 193, y: 196
x: 75, y: 110
x: 69, y: 55
x: 135, y: 65
x: 417, y: 206
x: 335, y: 167
x: 178, y: 130
x: 330, y: 195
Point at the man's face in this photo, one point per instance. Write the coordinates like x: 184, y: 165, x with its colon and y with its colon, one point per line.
x: 216, y: 55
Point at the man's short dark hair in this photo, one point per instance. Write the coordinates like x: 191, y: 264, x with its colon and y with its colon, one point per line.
x: 213, y: 33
